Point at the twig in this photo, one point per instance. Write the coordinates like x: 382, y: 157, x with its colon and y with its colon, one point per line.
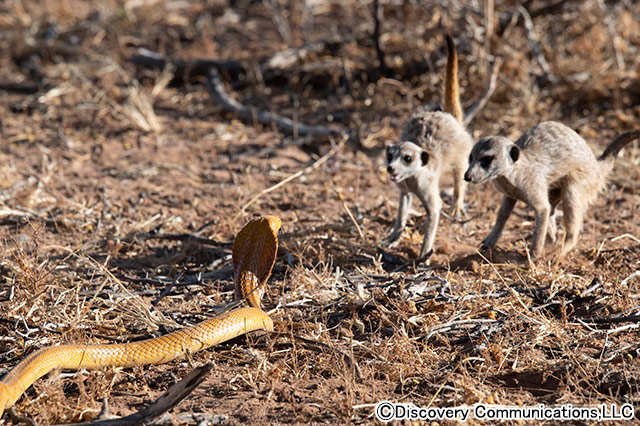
x: 221, y: 97
x: 456, y: 324
x: 348, y: 210
x: 624, y: 282
x: 167, y: 289
x: 296, y: 175
x: 378, y: 17
x: 611, y: 320
x: 183, y: 70
x: 281, y: 24
x: 285, y: 59
x: 628, y: 348
x: 476, y: 107
x: 506, y: 19
x: 595, y: 284
x: 535, y: 46
x: 176, y: 393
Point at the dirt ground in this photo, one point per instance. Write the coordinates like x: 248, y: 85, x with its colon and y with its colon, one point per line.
x: 123, y: 183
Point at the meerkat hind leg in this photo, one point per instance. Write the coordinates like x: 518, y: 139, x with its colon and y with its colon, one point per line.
x: 573, y: 206
x: 542, y: 209
x: 458, y: 192
x: 555, y: 196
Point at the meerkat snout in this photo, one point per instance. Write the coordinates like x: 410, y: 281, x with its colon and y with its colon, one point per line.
x: 405, y: 159
x: 490, y: 158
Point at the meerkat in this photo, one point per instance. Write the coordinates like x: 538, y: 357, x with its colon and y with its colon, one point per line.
x: 430, y: 143
x: 548, y: 164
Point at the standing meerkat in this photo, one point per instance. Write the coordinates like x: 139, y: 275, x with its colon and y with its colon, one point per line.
x: 430, y: 143
x: 549, y: 163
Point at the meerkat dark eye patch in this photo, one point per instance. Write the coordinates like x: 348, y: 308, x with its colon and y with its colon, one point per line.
x: 485, y: 161
x: 424, y: 157
x: 389, y: 157
x: 407, y: 159
x: 514, y: 153
x: 470, y: 158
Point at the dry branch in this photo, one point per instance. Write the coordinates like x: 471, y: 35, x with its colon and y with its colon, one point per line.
x: 172, y: 397
x: 185, y: 70
x: 476, y: 107
x: 285, y: 59
x: 535, y: 46
x: 378, y: 17
x: 287, y: 125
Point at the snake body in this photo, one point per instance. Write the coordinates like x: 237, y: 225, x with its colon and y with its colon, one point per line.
x: 254, y: 253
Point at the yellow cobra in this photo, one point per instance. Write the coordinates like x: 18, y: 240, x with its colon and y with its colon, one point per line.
x: 254, y: 253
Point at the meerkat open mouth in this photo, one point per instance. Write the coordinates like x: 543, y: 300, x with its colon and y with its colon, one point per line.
x: 396, y: 177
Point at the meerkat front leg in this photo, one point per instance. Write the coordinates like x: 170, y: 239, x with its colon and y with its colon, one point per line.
x: 432, y: 204
x: 506, y: 207
x: 401, y: 220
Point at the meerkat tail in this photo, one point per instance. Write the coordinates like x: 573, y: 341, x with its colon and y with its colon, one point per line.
x: 609, y: 154
x: 451, y: 87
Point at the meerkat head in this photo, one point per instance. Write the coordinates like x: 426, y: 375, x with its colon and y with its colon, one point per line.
x: 490, y: 158
x: 404, y: 159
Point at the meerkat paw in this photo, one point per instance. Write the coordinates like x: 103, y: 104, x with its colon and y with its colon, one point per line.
x: 488, y: 242
x: 425, y: 258
x: 391, y: 241
x: 459, y: 212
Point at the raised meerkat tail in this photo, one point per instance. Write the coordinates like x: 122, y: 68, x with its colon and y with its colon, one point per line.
x: 609, y: 155
x: 451, y: 86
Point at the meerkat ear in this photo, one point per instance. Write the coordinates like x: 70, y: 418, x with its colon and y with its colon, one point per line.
x: 424, y: 157
x: 514, y: 153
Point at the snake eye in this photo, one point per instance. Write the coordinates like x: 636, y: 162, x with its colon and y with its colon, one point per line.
x: 406, y: 159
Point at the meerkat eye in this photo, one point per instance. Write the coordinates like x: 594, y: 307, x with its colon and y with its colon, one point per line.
x: 485, y: 161
x: 406, y: 159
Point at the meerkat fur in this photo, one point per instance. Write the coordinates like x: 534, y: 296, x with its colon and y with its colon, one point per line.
x: 430, y: 143
x: 548, y: 164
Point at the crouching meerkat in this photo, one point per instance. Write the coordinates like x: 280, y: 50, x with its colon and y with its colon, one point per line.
x: 548, y: 164
x: 431, y: 142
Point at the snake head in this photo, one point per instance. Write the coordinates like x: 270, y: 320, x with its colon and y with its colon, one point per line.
x: 274, y: 223
x: 254, y: 253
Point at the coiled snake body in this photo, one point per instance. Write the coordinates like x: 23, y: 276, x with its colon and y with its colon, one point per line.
x: 254, y: 253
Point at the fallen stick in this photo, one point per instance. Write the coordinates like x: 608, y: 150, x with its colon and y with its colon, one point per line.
x: 491, y: 87
x: 285, y: 59
x: 285, y: 124
x: 378, y: 17
x: 187, y: 69
x: 535, y: 45
x: 176, y: 393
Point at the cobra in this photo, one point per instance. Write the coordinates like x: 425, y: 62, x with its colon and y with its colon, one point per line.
x: 254, y: 253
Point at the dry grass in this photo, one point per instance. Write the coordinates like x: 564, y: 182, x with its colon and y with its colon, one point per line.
x: 106, y: 168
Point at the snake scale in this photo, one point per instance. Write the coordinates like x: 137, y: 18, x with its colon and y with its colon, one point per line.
x: 254, y: 253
